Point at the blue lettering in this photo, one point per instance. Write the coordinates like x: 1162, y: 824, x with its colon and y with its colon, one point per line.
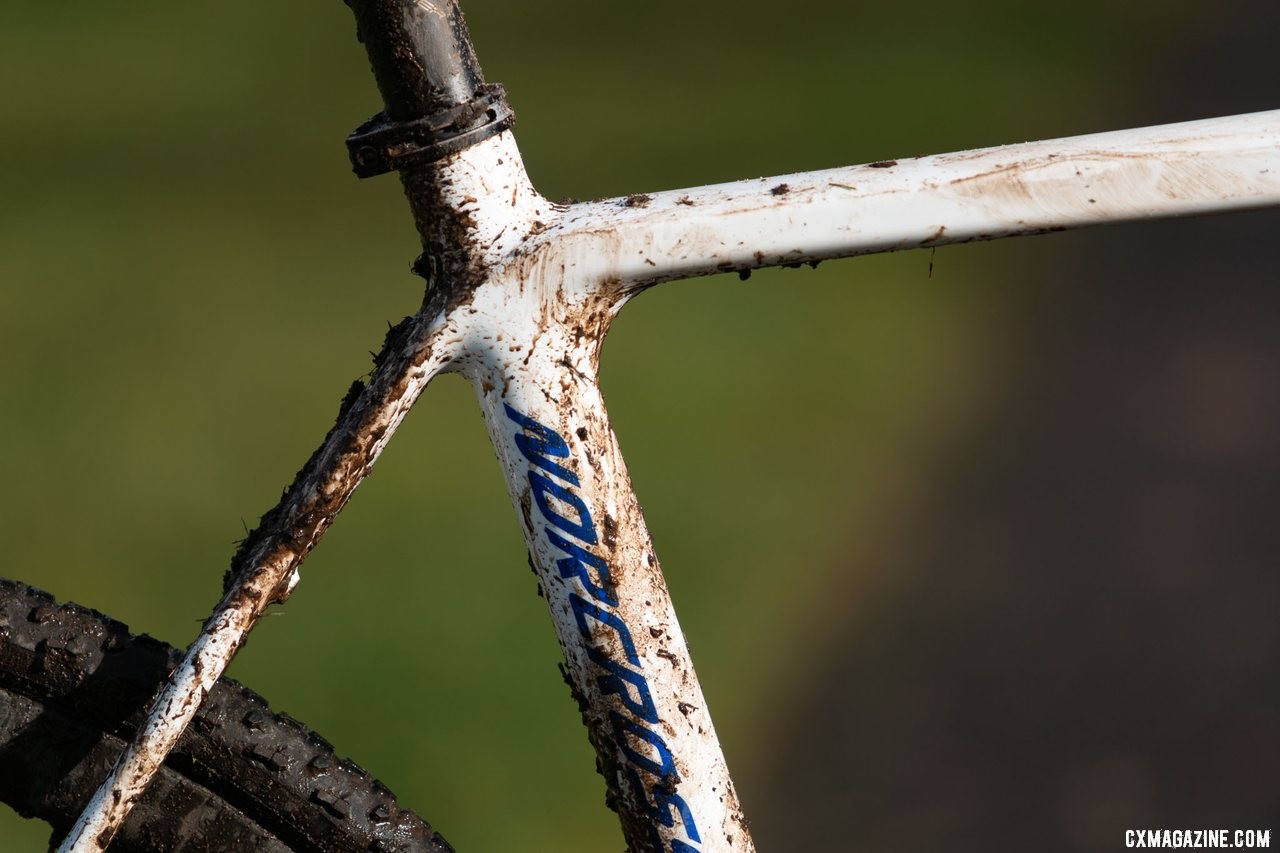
x: 663, y: 768
x: 583, y: 608
x: 583, y: 529
x: 575, y: 566
x: 614, y: 684
x: 543, y: 443
x: 666, y: 800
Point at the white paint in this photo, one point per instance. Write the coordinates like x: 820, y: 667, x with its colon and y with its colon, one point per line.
x: 530, y: 339
x: 223, y: 634
x: 1173, y: 170
x: 551, y: 278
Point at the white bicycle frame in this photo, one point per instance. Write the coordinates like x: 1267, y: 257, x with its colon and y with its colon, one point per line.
x: 522, y: 296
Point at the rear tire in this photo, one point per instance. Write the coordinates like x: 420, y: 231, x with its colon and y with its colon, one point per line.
x: 73, y: 687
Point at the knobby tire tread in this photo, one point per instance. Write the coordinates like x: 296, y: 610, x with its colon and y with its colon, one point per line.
x: 74, y: 686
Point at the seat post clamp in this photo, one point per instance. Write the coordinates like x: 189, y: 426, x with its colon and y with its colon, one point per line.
x: 382, y: 145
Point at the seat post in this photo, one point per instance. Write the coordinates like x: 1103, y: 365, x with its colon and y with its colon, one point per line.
x: 421, y: 54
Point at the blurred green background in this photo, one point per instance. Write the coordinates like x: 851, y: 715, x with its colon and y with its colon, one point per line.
x: 190, y: 278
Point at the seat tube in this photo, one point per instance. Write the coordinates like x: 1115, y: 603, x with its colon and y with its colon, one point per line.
x: 528, y: 338
x: 628, y: 664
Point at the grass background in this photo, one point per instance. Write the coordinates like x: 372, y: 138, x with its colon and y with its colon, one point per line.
x: 190, y: 278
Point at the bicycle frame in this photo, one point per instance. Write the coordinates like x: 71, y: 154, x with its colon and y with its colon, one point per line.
x: 522, y: 293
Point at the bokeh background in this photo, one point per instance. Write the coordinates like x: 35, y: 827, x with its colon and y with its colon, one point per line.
x: 987, y: 560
